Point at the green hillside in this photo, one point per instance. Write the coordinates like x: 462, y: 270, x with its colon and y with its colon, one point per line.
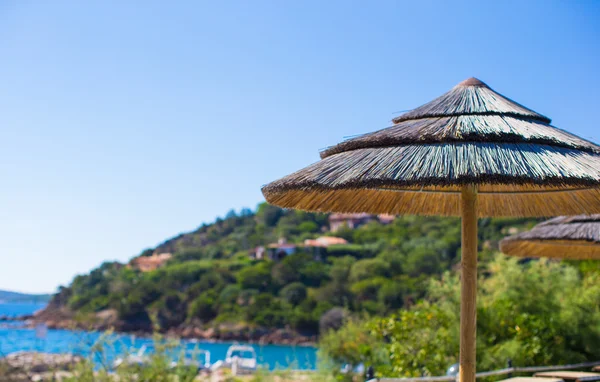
x: 211, y: 278
x: 16, y: 297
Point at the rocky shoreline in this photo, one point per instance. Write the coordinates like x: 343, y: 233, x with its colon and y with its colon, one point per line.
x: 107, y: 320
x: 37, y: 366
x: 34, y: 366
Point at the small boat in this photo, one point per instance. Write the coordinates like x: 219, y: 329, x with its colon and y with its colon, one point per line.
x: 358, y: 369
x: 138, y: 358
x: 191, y: 359
x: 241, y: 359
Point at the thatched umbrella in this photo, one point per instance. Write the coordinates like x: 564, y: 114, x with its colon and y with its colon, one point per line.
x: 472, y: 153
x: 565, y: 237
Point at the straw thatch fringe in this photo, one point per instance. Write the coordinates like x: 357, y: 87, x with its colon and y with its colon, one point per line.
x: 471, y: 97
x: 573, y: 237
x: 469, y: 128
x: 379, y: 201
x: 557, y: 249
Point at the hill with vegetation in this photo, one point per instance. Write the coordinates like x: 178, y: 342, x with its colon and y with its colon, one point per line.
x: 211, y: 280
x: 23, y: 298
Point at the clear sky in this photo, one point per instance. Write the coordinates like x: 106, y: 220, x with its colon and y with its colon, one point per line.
x: 125, y: 123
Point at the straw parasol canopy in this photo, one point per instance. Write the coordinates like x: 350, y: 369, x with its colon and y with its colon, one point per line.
x: 565, y: 237
x: 522, y: 165
x: 471, y: 152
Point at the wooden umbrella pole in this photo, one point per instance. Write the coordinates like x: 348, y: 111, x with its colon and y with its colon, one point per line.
x: 468, y: 293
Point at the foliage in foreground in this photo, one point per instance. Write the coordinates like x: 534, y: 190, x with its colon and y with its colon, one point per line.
x: 97, y: 367
x: 535, y: 313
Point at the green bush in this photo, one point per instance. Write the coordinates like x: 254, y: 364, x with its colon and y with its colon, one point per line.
x: 368, y: 268
x: 332, y: 320
x: 203, y: 307
x: 536, y: 313
x: 314, y: 273
x: 308, y: 226
x: 169, y: 310
x: 229, y: 294
x: 354, y: 250
x: 293, y: 293
x: 353, y: 344
x: 368, y: 289
x: 257, y: 276
x: 391, y: 294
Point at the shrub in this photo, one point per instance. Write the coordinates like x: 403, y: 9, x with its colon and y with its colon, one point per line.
x: 333, y: 319
x: 255, y: 277
x: 229, y: 294
x: 169, y: 310
x: 368, y: 268
x: 423, y: 341
x: 284, y: 273
x: 268, y: 215
x: 535, y: 313
x: 314, y: 274
x: 203, y: 307
x: 368, y: 289
x: 352, y: 344
x: 340, y: 269
x: 391, y: 294
x: 354, y: 250
x: 293, y: 293
x: 308, y: 227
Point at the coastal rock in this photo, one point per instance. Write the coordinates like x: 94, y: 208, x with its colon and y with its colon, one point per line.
x: 17, y: 318
x: 34, y: 362
x: 55, y: 317
x: 208, y: 334
x: 286, y: 337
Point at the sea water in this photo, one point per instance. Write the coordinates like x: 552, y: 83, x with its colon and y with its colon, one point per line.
x: 14, y: 337
x: 18, y: 309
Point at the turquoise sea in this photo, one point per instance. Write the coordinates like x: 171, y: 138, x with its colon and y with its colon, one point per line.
x: 12, y: 309
x: 14, y: 337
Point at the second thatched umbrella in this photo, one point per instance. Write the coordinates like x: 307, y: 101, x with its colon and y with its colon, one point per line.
x: 564, y: 237
x: 471, y: 153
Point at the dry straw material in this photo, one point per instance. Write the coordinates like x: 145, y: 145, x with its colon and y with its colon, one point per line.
x: 521, y: 165
x: 565, y: 237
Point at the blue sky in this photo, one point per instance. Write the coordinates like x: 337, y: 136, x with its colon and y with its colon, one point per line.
x: 125, y: 123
